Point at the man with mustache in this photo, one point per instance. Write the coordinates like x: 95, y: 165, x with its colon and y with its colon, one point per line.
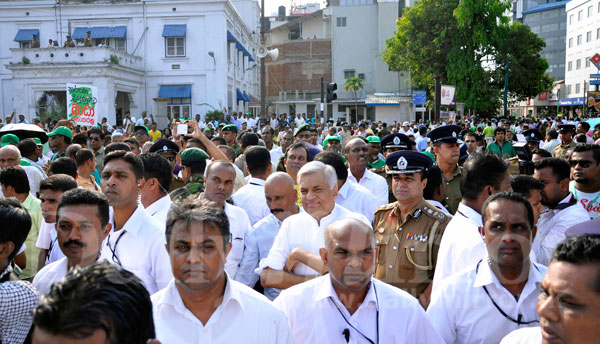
x: 349, y: 304
x: 281, y: 199
x: 82, y: 223
x: 220, y: 177
x: 569, y: 301
x: 585, y: 169
x: 485, y: 302
x: 356, y: 151
x: 562, y: 209
x: 203, y: 304
x: 447, y: 152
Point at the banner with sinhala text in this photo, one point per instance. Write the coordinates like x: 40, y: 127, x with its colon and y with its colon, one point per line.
x: 81, y: 104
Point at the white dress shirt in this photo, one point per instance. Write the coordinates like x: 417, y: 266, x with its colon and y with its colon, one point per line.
x: 314, y: 318
x: 50, y: 274
x: 302, y: 230
x: 251, y: 198
x: 48, y: 240
x: 276, y: 153
x: 239, y: 226
x: 374, y: 183
x: 552, y: 225
x: 140, y: 250
x: 462, y: 312
x: 244, y: 316
x: 35, y: 177
x: 357, y: 198
x: 160, y: 209
x: 550, y: 145
x: 527, y: 335
x: 461, y: 245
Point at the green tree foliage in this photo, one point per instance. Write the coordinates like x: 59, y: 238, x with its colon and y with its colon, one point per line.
x: 354, y: 84
x: 468, y: 43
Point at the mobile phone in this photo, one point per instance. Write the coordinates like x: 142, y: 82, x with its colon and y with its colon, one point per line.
x: 182, y: 129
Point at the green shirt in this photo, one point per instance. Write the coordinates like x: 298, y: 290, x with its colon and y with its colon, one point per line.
x: 194, y: 186
x: 376, y: 164
x: 34, y: 208
x: 507, y: 150
x: 488, y: 131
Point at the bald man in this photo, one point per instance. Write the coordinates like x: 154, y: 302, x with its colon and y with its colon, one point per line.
x: 344, y: 304
x: 10, y: 156
x: 281, y: 200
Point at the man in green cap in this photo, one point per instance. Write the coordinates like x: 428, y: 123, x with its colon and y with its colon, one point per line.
x: 59, y: 140
x: 193, y: 164
x: 229, y: 133
x: 302, y: 134
x: 142, y: 134
x: 374, y: 161
x: 9, y: 139
x: 333, y: 143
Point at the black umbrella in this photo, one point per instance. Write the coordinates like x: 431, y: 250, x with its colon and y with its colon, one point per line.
x: 23, y: 131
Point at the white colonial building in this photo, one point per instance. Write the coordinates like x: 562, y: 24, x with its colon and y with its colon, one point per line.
x: 182, y: 57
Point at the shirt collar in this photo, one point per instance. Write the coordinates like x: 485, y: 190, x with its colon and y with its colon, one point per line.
x: 256, y: 181
x: 326, y: 290
x: 135, y: 221
x: 470, y: 214
x: 28, y: 201
x: 485, y: 276
x: 159, y: 204
x: 343, y: 191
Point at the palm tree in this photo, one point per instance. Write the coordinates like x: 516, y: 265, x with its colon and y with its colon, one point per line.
x: 354, y: 84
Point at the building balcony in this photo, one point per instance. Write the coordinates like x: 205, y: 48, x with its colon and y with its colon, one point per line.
x: 77, y: 56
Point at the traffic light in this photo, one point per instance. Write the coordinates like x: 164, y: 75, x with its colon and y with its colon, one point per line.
x: 331, y: 96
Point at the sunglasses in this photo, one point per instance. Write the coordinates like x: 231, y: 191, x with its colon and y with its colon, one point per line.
x: 138, y: 133
x: 582, y: 163
x: 95, y: 139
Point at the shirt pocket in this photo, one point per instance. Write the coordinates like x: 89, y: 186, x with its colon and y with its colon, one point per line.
x: 417, y: 255
x: 382, y: 242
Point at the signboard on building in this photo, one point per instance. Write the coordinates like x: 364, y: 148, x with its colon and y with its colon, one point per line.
x: 570, y: 101
x: 596, y: 60
x: 593, y: 101
x: 448, y: 95
x: 81, y: 104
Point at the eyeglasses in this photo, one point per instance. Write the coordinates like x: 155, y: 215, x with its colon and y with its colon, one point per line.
x: 582, y: 163
x: 138, y: 133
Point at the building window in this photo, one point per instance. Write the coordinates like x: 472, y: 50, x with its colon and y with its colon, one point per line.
x: 570, y: 42
x: 341, y: 21
x: 177, y: 107
x: 577, y: 88
x: 361, y: 75
x: 587, y: 62
x: 579, y: 15
x: 589, y: 11
x: 568, y: 89
x: 349, y: 73
x: 588, y: 36
x: 175, y: 46
x: 570, y: 19
x: 578, y: 64
x: 579, y: 40
x: 598, y: 33
x: 120, y: 44
x: 570, y: 66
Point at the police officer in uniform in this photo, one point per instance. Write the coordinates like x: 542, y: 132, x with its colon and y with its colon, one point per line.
x: 408, y: 232
x: 169, y: 150
x: 533, y: 138
x: 389, y: 144
x: 447, y: 154
x: 566, y: 131
x: 193, y: 164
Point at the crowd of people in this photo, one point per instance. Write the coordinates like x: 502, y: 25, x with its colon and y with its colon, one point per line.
x: 292, y: 229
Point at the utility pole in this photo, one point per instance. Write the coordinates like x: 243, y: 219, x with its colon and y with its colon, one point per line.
x: 438, y: 95
x: 322, y: 97
x: 263, y: 91
x: 506, y: 88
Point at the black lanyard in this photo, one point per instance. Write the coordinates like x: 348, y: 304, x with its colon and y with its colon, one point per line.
x: 518, y: 320
x: 115, y: 258
x: 346, y: 332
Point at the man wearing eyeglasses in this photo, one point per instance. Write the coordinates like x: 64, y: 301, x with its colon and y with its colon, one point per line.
x: 485, y: 302
x: 96, y: 138
x: 585, y: 170
x: 82, y: 223
x: 142, y: 134
x: 136, y: 241
x: 562, y: 209
x: 348, y: 304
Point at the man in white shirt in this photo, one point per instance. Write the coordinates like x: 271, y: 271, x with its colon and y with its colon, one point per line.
x: 485, y: 302
x: 585, y: 169
x: 569, y: 301
x: 406, y: 130
x: 274, y: 122
x: 274, y: 150
x: 82, y: 223
x: 294, y: 257
x: 349, y: 304
x: 142, y: 120
x: 251, y: 197
x: 157, y: 180
x: 562, y: 209
x: 552, y: 140
x: 51, y: 190
x: 10, y: 156
x: 351, y: 196
x: 299, y: 121
x: 136, y: 241
x: 203, y: 304
x: 281, y: 199
x: 462, y: 246
x: 220, y: 177
x: 355, y: 152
